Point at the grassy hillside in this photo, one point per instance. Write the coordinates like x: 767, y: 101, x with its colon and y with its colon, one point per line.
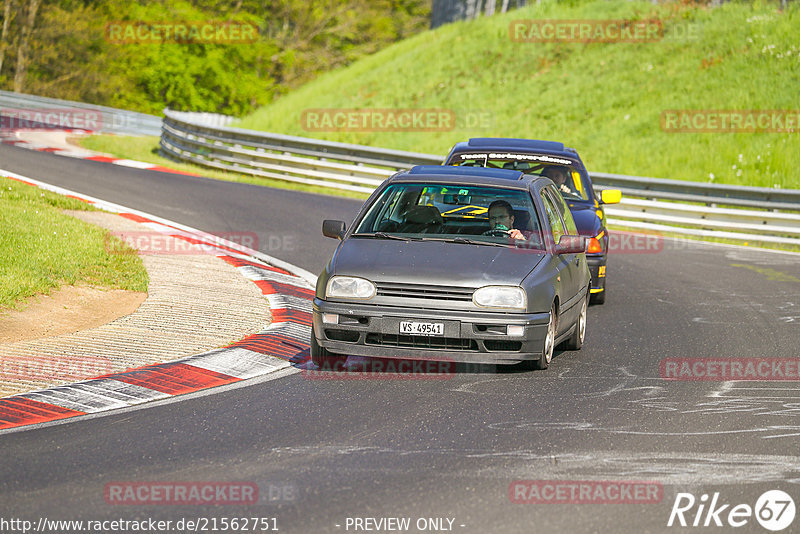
x: 605, y: 99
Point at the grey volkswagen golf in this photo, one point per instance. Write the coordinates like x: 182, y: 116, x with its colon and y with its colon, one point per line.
x: 459, y: 264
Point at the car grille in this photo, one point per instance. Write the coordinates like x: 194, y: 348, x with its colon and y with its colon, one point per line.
x: 422, y: 342
x: 421, y: 291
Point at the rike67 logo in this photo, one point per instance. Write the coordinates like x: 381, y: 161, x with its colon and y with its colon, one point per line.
x: 774, y: 510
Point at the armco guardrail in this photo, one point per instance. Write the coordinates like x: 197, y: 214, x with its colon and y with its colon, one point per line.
x: 687, y: 208
x: 283, y: 157
x: 681, y: 190
x: 107, y: 120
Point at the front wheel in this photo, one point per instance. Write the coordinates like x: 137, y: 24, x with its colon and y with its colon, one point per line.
x: 324, y: 359
x: 575, y: 341
x: 549, y: 342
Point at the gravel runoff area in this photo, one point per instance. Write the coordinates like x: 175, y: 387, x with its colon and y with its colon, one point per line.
x: 195, y: 303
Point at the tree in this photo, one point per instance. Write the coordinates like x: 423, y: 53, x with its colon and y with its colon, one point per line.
x: 64, y: 49
x: 24, y: 45
x: 8, y: 13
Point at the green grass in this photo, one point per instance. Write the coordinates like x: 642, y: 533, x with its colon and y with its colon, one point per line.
x: 42, y: 248
x: 605, y: 99
x: 145, y: 148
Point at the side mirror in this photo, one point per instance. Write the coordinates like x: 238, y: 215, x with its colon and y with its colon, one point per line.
x: 334, y: 229
x: 610, y: 196
x: 571, y: 244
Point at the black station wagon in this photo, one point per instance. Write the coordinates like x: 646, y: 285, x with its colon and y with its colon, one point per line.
x: 454, y: 264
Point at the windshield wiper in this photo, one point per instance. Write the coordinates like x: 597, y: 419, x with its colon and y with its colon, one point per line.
x: 461, y: 240
x: 478, y: 242
x: 384, y: 235
x: 465, y: 241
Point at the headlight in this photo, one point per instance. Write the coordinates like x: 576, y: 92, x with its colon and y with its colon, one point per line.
x: 350, y: 287
x: 499, y: 297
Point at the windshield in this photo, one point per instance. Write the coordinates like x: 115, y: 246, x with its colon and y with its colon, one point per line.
x: 562, y: 171
x: 468, y: 213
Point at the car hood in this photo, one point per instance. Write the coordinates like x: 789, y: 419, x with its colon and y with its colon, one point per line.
x: 586, y: 220
x: 433, y: 262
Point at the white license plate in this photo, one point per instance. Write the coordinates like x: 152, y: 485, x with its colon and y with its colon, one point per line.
x: 421, y: 329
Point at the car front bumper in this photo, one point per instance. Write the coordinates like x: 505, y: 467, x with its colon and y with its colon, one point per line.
x: 469, y: 337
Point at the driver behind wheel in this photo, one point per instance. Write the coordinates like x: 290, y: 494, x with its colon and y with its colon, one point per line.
x: 501, y: 219
x: 559, y: 176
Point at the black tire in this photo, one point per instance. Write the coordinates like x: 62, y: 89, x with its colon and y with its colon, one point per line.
x: 324, y: 359
x: 549, y: 343
x: 575, y: 341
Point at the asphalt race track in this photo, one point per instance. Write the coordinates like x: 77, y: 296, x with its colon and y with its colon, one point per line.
x: 325, y: 453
